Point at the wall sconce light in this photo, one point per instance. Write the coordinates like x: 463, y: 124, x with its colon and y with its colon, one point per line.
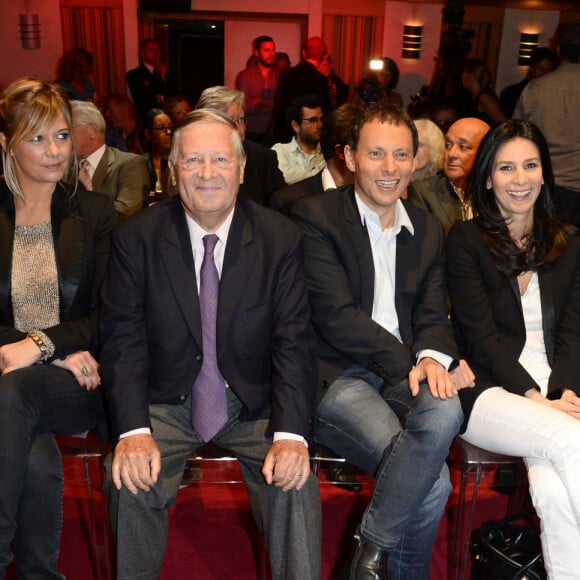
x: 528, y: 41
x: 412, y: 41
x: 30, y: 30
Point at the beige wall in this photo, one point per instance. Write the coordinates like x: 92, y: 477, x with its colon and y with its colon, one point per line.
x: 240, y: 34
x: 258, y: 6
x: 414, y: 73
x: 16, y: 61
x: 543, y: 22
x: 131, y: 33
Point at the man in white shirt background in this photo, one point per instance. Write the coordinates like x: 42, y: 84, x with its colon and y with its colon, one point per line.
x: 302, y: 156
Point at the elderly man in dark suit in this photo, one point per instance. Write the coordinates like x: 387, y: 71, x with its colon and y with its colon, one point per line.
x: 121, y: 175
x: 375, y: 271
x: 444, y: 194
x: 234, y: 366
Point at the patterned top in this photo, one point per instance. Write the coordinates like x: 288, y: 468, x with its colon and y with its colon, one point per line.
x: 35, y: 293
x: 297, y: 165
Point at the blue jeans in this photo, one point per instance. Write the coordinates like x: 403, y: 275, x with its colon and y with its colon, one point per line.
x: 403, y: 442
x: 36, y: 400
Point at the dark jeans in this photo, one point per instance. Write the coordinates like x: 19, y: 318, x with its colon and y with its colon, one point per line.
x: 39, y: 518
x: 35, y: 401
x: 403, y: 442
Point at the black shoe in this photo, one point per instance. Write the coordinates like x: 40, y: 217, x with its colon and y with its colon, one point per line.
x: 367, y: 561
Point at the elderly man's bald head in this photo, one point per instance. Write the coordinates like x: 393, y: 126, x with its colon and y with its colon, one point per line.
x: 461, y: 143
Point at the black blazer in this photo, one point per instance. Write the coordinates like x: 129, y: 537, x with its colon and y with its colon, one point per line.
x: 488, y: 318
x: 151, y: 325
x: 81, y: 228
x: 340, y: 273
x: 145, y: 86
x: 283, y: 199
x: 262, y: 176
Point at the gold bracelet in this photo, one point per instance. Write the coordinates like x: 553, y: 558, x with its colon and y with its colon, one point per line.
x: 42, y: 346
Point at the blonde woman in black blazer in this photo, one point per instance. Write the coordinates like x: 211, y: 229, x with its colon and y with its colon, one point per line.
x: 54, y: 246
x: 514, y: 282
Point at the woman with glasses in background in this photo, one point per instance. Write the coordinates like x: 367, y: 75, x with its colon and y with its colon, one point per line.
x: 158, y: 128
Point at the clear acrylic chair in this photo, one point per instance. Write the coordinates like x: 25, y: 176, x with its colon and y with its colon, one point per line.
x: 473, y: 463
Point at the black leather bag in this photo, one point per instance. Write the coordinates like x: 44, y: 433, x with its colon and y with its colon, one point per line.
x: 508, y: 550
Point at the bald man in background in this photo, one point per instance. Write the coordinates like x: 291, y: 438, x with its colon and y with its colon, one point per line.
x: 443, y: 194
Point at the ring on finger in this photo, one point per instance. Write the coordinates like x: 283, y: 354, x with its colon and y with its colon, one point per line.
x: 84, y: 371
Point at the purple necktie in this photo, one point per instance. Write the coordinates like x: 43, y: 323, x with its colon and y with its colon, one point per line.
x: 209, y: 410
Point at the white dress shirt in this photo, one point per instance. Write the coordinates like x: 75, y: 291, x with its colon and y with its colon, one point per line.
x: 327, y: 179
x: 94, y: 159
x: 384, y: 252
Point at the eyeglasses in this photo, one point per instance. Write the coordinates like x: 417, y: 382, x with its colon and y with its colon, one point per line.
x: 239, y: 120
x: 313, y: 120
x: 164, y: 128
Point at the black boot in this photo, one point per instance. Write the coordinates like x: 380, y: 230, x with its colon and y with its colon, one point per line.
x: 366, y: 561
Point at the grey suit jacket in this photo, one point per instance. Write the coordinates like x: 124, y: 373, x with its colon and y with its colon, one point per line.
x: 436, y: 195
x: 124, y: 177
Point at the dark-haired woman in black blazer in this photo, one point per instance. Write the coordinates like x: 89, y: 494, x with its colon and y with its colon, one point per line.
x: 514, y: 283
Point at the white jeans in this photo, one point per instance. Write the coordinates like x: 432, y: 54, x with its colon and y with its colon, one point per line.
x: 549, y: 442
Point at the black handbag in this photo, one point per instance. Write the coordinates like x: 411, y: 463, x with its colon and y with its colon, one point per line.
x: 508, y: 550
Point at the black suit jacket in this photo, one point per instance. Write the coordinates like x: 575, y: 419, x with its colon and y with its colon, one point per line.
x: 488, y: 317
x: 340, y: 273
x: 81, y: 226
x: 262, y: 176
x: 145, y: 86
x: 283, y: 199
x: 151, y: 323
